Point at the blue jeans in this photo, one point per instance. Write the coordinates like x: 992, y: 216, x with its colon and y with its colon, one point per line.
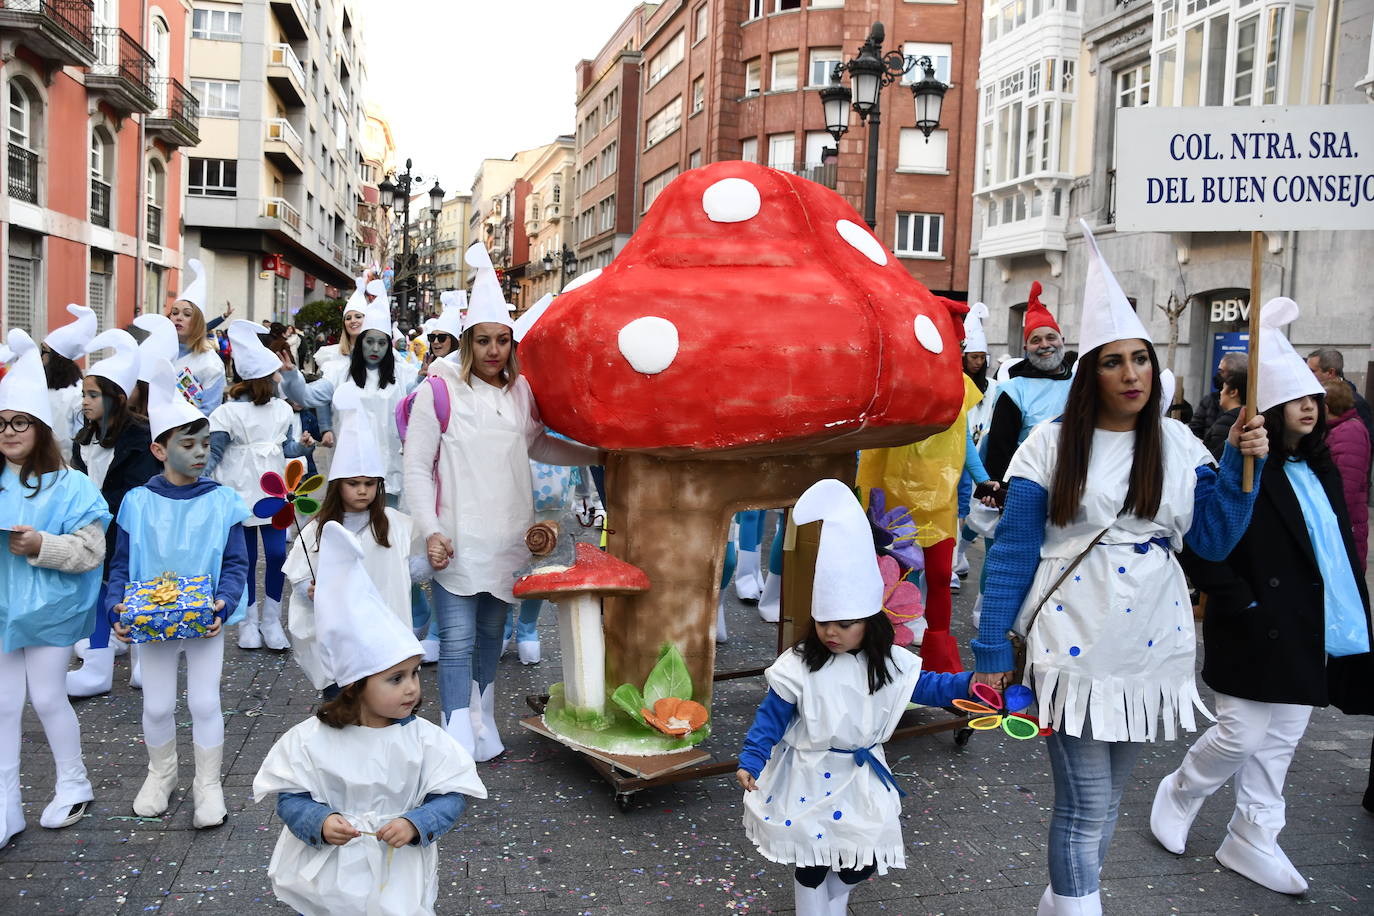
x: 526, y: 622
x: 469, y: 643
x: 1089, y: 777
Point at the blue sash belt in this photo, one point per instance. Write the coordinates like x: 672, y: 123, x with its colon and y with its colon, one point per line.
x: 1144, y: 546
x: 864, y: 755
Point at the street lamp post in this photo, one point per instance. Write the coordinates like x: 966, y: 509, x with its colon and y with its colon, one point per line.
x: 869, y: 73
x: 396, y: 191
x: 566, y: 262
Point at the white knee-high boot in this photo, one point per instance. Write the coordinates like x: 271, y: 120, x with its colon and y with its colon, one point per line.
x: 487, y: 738
x: 1046, y: 906
x: 811, y: 901
x: 748, y: 579
x: 770, y: 602
x: 1173, y: 812
x: 721, y: 634
x: 250, y: 637
x: 1251, y: 849
x: 70, y: 798
x: 135, y: 670
x: 152, y: 797
x: 1089, y: 905
x: 207, y: 792
x: 458, y: 723
x: 96, y: 674
x: 269, y: 625
x: 11, y: 805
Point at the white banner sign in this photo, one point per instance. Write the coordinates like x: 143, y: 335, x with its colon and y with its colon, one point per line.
x: 1245, y: 168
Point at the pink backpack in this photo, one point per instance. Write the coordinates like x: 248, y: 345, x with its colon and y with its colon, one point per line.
x: 441, y: 412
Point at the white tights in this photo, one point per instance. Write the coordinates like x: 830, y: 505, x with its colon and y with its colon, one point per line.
x: 44, y: 670
x: 204, y: 663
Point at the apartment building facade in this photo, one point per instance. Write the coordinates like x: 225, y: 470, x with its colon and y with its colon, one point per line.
x: 276, y: 185
x: 98, y: 117
x: 548, y: 221
x: 451, y: 239
x: 378, y: 153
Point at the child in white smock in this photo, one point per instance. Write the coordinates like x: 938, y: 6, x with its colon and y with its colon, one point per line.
x: 826, y: 801
x: 364, y: 786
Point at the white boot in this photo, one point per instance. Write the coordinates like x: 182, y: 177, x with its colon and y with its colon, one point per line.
x: 770, y: 602
x: 487, y: 739
x: 955, y: 583
x: 269, y: 625
x: 1173, y: 812
x: 961, y: 558
x: 430, y: 648
x: 977, y: 611
x: 748, y: 579
x: 11, y: 805
x: 721, y: 634
x: 459, y: 724
x: 1046, y: 907
x: 529, y: 651
x: 249, y: 635
x: 71, y: 796
x: 838, y: 892
x: 1091, y: 905
x: 96, y: 674
x: 811, y: 901
x: 206, y: 790
x: 1252, y: 850
x: 135, y: 669
x: 152, y: 797
x: 918, y: 630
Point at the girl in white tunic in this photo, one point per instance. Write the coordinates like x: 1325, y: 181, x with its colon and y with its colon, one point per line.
x: 826, y: 802
x: 251, y: 434
x: 364, y: 787
x: 61, y: 349
x: 196, y: 351
x: 1099, y: 503
x: 354, y: 312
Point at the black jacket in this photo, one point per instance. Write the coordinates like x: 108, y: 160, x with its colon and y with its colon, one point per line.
x: 1216, y: 434
x: 1205, y: 414
x: 1275, y: 652
x: 1004, y: 429
x: 133, y: 465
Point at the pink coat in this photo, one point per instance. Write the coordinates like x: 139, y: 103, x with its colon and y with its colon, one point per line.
x: 1349, y: 443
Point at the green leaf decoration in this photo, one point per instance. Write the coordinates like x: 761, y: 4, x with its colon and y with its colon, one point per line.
x: 628, y: 698
x: 669, y: 678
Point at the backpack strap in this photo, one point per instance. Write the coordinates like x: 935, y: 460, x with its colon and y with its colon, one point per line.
x: 439, y: 389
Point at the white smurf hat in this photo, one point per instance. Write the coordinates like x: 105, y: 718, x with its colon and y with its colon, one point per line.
x: 532, y: 314
x: 377, y: 316
x: 848, y: 585
x: 450, y: 321
x: 251, y: 357
x: 25, y: 386
x: 1168, y: 384
x: 161, y: 343
x: 194, y: 290
x: 1283, y: 374
x: 1107, y: 314
x: 358, y: 634
x: 121, y: 368
x: 358, y: 301
x: 167, y: 404
x: 488, y: 303
x: 975, y: 338
x: 376, y: 288
x: 70, y: 340
x: 356, y: 453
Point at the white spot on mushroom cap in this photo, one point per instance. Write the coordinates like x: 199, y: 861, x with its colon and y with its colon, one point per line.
x: 649, y: 344
x: 731, y: 200
x: 583, y: 280
x: 928, y: 334
x: 862, y: 241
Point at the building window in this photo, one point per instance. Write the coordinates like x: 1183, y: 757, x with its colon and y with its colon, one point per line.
x: 608, y: 159
x: 826, y: 4
x: 939, y: 56
x: 784, y: 67
x: 702, y: 23
x: 606, y: 211
x: 782, y: 152
x: 24, y: 134
x: 218, y: 98
x: 663, y: 122
x: 920, y: 234
x: 822, y: 69
x: 99, y: 287
x: 1133, y: 86
x: 671, y: 55
x: 102, y: 176
x: 1207, y: 54
x: 754, y: 9
x: 698, y: 94
x: 753, y: 77
x: 916, y: 155
x: 694, y: 160
x: 782, y: 6
x: 23, y: 291
x: 654, y: 186
x: 213, y: 178
x: 749, y: 149
x: 215, y: 24
x: 281, y: 298
x: 156, y: 195
x: 610, y: 108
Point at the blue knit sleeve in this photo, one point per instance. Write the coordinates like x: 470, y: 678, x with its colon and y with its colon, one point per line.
x: 1011, y: 563
x: 1221, y: 511
x: 935, y: 688
x: 769, y: 724
x: 973, y: 463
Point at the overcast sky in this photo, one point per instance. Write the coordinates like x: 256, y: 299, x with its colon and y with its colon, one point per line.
x: 466, y: 80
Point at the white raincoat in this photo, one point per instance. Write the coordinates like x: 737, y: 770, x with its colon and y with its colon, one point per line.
x: 208, y: 368
x: 371, y: 776
x: 66, y: 416
x: 1115, y: 642
x: 485, y: 487
x: 379, y: 404
x: 817, y: 806
x: 256, y: 433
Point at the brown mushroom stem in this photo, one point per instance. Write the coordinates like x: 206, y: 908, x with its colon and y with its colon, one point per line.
x: 670, y: 518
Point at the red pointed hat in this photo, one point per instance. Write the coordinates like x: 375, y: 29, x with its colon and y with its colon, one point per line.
x: 1037, y: 316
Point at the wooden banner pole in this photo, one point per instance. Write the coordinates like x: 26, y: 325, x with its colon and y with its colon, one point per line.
x: 1252, y: 375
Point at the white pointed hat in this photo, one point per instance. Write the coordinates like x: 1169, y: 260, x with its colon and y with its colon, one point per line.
x: 487, y: 302
x: 848, y: 585
x: 1108, y: 315
x: 25, y: 386
x: 376, y: 288
x: 168, y: 407
x: 6, y: 354
x: 251, y: 357
x: 975, y: 338
x: 532, y: 314
x: 358, y: 301
x: 70, y: 340
x: 161, y: 343
x: 450, y: 321
x: 377, y: 317
x: 194, y: 291
x: 358, y: 634
x: 1283, y: 374
x: 122, y: 367
x: 1168, y: 384
x: 356, y: 452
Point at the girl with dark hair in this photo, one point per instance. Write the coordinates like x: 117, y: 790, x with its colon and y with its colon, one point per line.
x: 51, y: 548
x: 1084, y: 562
x: 826, y: 802
x: 1275, y: 646
x: 61, y: 349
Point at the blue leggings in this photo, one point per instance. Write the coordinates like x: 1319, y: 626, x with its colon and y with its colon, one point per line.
x: 750, y: 528
x: 274, y: 553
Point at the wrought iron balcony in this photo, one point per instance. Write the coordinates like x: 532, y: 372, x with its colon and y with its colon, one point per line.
x: 122, y: 71
x: 57, y: 30
x: 176, y: 119
x: 23, y: 174
x: 100, y: 203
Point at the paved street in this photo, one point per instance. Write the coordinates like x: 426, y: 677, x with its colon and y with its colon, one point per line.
x: 552, y: 840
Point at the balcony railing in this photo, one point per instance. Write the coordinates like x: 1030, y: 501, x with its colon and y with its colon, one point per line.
x: 277, y: 208
x: 23, y: 176
x: 337, y: 254
x: 123, y: 67
x: 280, y: 129
x: 154, y: 224
x: 286, y: 74
x: 59, y: 29
x: 176, y: 119
x: 822, y: 173
x: 283, y: 55
x: 100, y: 203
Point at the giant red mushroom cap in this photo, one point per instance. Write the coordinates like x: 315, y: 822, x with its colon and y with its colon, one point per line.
x: 751, y: 313
x: 593, y: 572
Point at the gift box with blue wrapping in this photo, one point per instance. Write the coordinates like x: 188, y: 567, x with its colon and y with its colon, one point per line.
x: 168, y: 607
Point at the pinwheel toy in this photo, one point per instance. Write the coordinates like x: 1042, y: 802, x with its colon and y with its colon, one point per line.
x: 992, y: 709
x: 286, y: 497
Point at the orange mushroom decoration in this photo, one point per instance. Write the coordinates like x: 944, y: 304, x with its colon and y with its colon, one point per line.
x: 676, y: 717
